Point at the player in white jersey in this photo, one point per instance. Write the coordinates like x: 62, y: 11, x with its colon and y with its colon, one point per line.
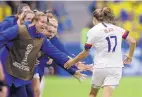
x: 106, y: 38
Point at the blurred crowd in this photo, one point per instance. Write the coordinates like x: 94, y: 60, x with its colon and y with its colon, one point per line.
x: 8, y: 8
x: 128, y: 15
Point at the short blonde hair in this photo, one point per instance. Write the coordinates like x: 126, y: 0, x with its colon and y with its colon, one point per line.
x: 53, y: 22
x: 38, y: 14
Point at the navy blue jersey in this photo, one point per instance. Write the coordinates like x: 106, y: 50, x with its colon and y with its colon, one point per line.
x: 43, y: 59
x: 58, y: 44
x: 8, y: 22
x: 47, y: 48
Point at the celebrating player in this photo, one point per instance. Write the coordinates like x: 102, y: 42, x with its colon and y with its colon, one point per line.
x: 106, y: 38
x: 15, y: 85
x: 50, y: 32
x: 28, y: 41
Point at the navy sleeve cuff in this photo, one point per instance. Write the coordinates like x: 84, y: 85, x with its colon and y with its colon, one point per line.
x: 87, y: 46
x: 126, y: 33
x: 72, y: 70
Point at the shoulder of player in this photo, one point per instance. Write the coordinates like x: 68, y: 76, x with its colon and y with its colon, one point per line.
x: 120, y: 29
x: 93, y: 30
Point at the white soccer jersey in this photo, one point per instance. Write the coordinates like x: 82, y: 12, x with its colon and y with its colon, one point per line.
x: 107, y: 39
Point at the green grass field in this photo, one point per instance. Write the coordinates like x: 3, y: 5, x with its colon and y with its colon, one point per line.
x: 70, y: 87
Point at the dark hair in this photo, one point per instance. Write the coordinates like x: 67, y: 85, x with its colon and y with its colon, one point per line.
x: 35, y: 11
x: 48, y: 11
x: 104, y: 15
x: 20, y: 7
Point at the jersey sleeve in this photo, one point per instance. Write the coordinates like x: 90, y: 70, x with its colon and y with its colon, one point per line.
x: 4, y: 25
x: 125, y: 33
x: 55, y: 54
x: 59, y: 45
x: 8, y: 34
x: 90, y: 40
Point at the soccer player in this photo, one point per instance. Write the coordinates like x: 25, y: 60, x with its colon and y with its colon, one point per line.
x: 50, y: 32
x: 15, y: 85
x: 106, y: 38
x: 16, y: 59
x: 52, y: 36
x: 43, y: 61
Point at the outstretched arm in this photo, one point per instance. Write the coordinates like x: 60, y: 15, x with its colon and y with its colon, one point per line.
x: 83, y: 54
x: 59, y: 57
x: 78, y: 58
x: 59, y: 45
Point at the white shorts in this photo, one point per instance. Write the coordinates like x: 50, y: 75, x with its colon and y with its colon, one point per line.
x: 106, y: 77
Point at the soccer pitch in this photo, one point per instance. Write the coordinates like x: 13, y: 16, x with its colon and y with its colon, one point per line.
x: 70, y: 87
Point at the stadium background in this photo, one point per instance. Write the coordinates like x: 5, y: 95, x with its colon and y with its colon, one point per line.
x: 75, y: 19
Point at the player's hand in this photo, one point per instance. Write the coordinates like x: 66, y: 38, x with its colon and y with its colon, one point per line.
x: 3, y: 92
x: 69, y: 63
x: 127, y: 60
x: 22, y: 15
x: 78, y: 75
x: 49, y: 62
x: 20, y: 18
x: 82, y: 66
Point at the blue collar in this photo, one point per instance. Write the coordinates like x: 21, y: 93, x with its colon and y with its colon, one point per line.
x: 33, y: 32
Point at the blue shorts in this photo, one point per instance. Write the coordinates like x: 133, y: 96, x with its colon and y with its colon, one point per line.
x: 17, y: 91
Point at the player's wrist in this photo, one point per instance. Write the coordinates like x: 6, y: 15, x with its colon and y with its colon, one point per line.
x: 130, y: 57
x: 2, y: 83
